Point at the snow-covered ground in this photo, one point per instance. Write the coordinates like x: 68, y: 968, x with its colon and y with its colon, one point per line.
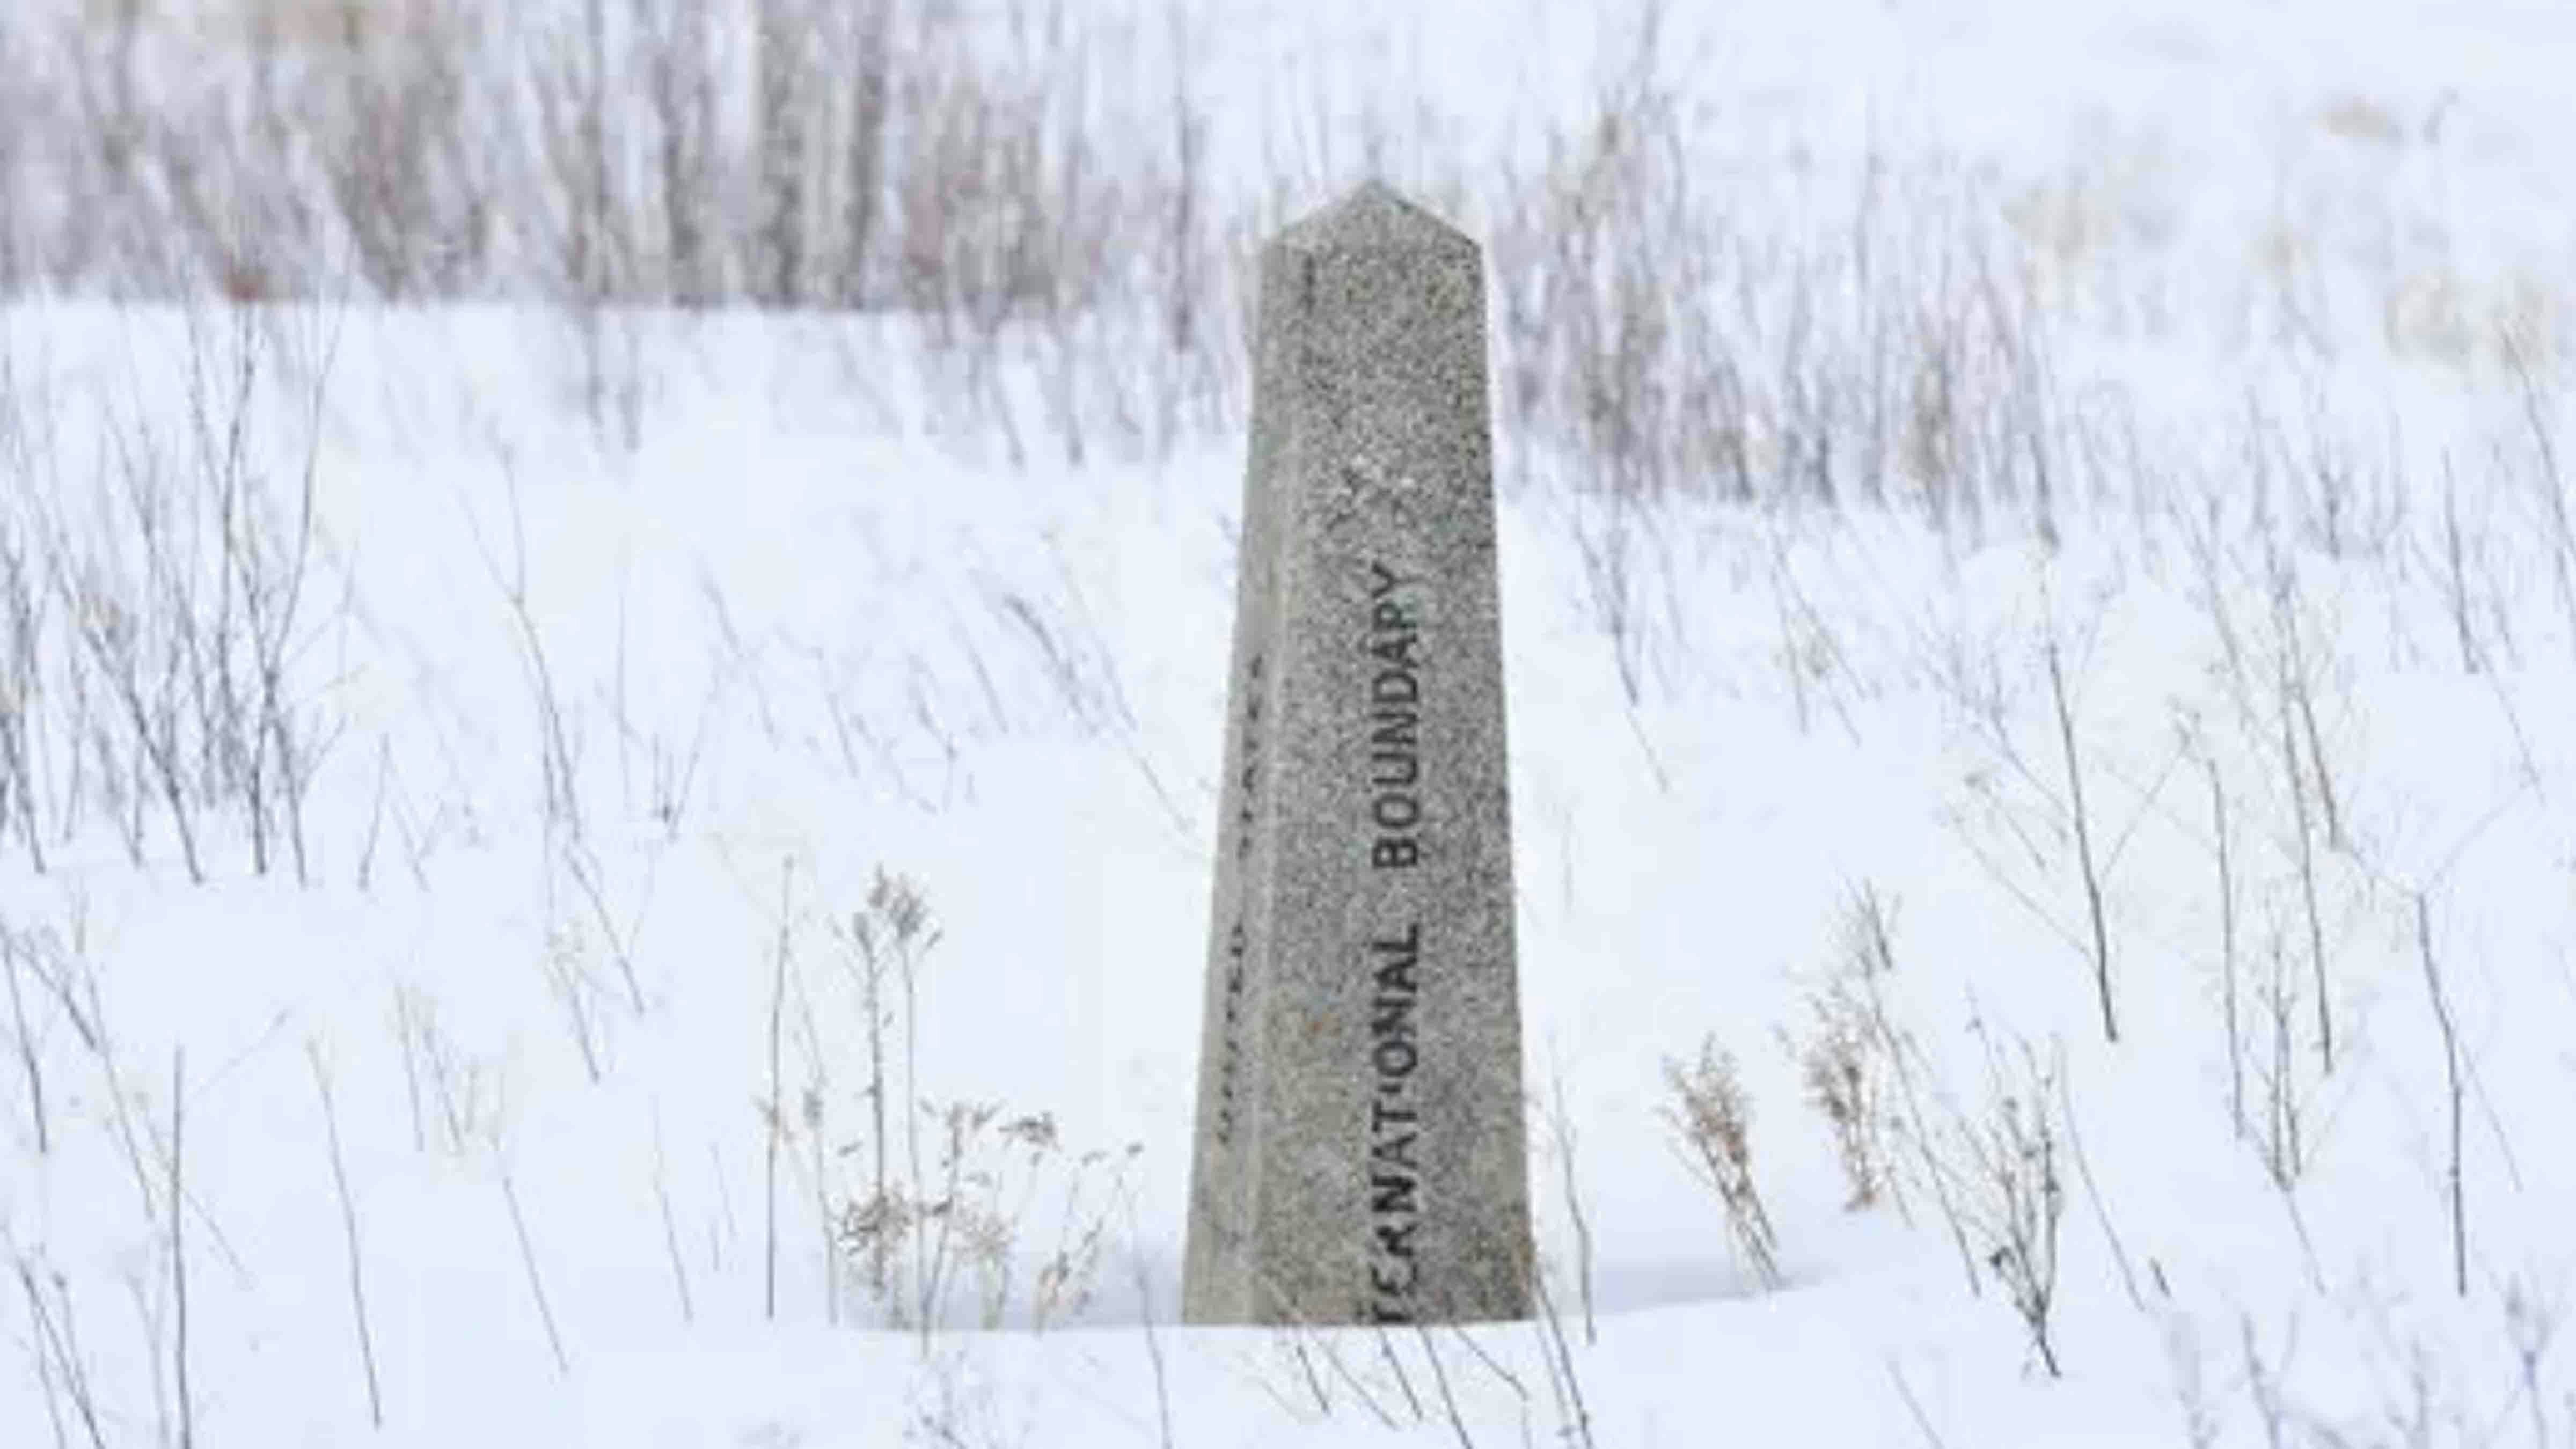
x: 626, y: 761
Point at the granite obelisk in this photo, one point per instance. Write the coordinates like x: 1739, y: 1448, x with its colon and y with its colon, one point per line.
x: 1360, y: 1152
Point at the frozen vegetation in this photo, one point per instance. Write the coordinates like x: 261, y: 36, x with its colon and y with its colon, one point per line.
x: 612, y: 650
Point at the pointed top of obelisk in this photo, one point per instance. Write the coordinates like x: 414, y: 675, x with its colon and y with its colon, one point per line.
x: 1373, y: 216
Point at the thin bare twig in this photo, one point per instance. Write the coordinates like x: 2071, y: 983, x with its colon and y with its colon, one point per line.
x: 528, y: 1259
x: 1914, y: 1407
x: 2451, y: 1071
x: 775, y: 1108
x: 1448, y: 1400
x: 179, y: 1246
x: 1154, y: 1351
x: 2101, y: 953
x: 349, y: 1229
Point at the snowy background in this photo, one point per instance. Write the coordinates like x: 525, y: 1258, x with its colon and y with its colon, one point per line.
x: 608, y: 756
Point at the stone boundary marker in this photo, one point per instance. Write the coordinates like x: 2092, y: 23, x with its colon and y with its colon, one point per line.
x: 1359, y: 1155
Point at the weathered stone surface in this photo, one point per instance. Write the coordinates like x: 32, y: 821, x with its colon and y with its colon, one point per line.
x: 1360, y: 1154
